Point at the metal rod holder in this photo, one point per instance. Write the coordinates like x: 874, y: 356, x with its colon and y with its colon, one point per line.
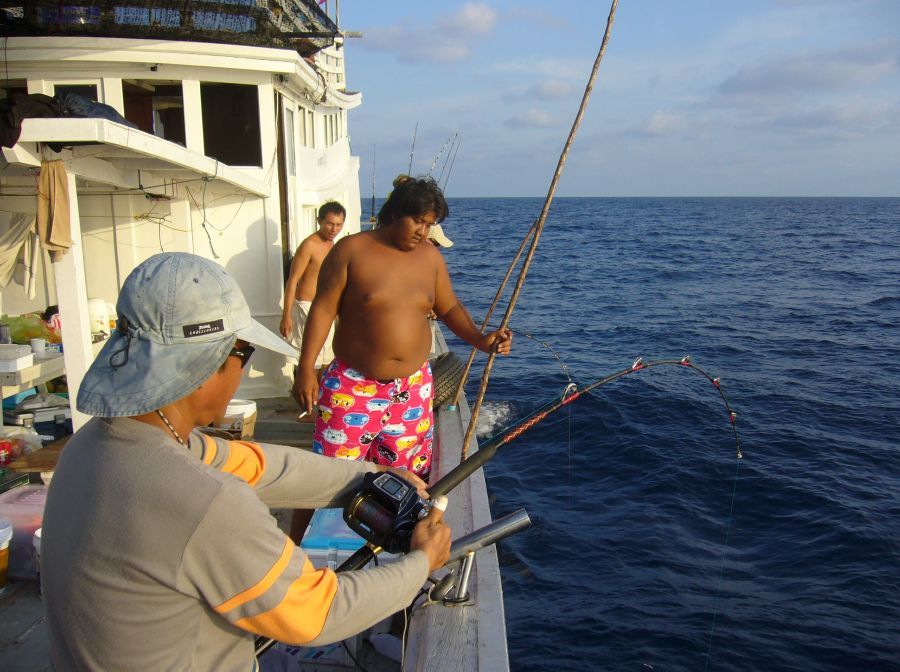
x: 464, y: 571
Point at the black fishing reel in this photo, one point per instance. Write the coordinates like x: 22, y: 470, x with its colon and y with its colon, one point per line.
x: 385, y: 511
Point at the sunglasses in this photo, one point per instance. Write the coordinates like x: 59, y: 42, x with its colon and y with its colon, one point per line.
x: 242, y: 353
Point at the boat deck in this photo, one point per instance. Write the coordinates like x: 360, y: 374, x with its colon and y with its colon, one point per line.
x: 470, y: 636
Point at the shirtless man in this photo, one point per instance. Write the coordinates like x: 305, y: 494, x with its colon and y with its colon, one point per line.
x: 301, y: 283
x: 376, y: 397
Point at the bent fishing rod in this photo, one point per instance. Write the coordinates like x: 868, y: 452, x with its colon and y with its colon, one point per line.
x: 383, y: 529
x: 487, y: 451
x: 387, y: 509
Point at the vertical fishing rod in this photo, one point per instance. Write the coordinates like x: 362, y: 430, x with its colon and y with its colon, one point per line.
x: 447, y: 158
x: 440, y: 153
x: 412, y: 150
x: 452, y: 163
x: 539, y: 226
x: 372, y: 215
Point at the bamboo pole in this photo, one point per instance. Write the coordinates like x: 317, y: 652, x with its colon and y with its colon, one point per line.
x: 539, y: 227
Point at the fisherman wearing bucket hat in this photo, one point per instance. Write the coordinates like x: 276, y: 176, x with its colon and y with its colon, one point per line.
x: 179, y: 317
x: 158, y: 548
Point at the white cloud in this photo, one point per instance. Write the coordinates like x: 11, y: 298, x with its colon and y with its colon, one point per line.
x: 836, y: 70
x: 471, y: 19
x: 449, y: 38
x: 532, y: 118
x: 661, y: 123
x: 847, y: 120
x: 550, y: 90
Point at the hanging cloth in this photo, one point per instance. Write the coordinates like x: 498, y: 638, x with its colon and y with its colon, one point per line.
x: 53, y: 225
x: 16, y: 251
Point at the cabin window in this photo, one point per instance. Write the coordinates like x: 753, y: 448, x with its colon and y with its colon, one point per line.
x: 310, y: 129
x: 86, y: 90
x: 156, y: 107
x: 289, y: 142
x: 231, y: 129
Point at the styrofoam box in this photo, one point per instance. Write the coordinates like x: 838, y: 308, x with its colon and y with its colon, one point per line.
x: 15, y: 357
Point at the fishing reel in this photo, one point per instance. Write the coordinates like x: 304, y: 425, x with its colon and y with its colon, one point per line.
x: 385, y: 511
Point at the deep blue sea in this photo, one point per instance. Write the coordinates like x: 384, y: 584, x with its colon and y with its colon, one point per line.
x: 652, y: 547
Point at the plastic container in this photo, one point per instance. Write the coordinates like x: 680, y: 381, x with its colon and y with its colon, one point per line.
x: 15, y: 357
x: 6, y: 533
x: 328, y: 541
x: 99, y: 316
x: 24, y: 508
x: 240, y: 418
x: 36, y: 542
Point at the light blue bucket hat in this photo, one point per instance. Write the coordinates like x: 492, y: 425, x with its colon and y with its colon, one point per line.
x: 178, y: 317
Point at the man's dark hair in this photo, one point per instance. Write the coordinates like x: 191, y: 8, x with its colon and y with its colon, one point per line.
x: 331, y: 207
x: 413, y: 197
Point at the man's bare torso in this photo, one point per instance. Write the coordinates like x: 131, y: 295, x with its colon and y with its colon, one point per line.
x: 318, y: 249
x: 383, y: 329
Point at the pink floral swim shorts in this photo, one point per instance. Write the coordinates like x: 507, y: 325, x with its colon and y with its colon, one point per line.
x: 386, y: 422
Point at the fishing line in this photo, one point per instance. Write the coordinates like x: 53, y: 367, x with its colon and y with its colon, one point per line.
x: 571, y: 393
x: 715, y: 617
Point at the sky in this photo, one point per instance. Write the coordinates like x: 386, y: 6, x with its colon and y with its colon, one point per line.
x: 693, y: 98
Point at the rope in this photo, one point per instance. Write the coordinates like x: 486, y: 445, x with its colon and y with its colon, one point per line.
x: 539, y: 226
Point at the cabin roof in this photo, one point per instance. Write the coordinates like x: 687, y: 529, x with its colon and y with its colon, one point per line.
x: 116, y: 155
x: 300, y: 25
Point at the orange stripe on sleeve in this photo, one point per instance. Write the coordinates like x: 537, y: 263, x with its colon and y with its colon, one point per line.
x: 263, y: 584
x: 246, y: 460
x: 211, y: 450
x: 301, y: 615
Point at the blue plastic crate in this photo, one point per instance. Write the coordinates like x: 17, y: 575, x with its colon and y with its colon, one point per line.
x: 327, y: 530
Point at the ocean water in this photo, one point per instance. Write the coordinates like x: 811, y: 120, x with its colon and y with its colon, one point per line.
x: 653, y: 547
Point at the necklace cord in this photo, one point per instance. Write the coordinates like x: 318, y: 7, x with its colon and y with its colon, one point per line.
x: 171, y: 428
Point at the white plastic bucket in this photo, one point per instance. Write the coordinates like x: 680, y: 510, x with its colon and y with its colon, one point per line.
x: 240, y: 418
x: 98, y: 315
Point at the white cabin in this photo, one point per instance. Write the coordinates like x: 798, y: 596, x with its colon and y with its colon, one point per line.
x: 237, y: 148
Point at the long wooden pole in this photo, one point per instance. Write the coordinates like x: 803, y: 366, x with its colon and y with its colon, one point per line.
x: 539, y: 227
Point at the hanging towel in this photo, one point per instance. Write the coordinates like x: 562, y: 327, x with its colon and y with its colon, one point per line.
x: 13, y: 242
x: 53, y: 224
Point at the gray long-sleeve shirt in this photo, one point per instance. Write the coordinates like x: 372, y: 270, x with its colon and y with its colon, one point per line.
x: 157, y: 556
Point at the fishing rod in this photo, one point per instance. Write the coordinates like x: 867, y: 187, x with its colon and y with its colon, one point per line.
x: 412, y: 150
x: 440, y: 176
x: 452, y: 163
x: 437, y: 157
x: 387, y: 508
x: 372, y: 215
x: 387, y: 525
x: 571, y: 393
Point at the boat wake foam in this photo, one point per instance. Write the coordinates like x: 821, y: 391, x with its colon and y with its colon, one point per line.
x: 493, y: 416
